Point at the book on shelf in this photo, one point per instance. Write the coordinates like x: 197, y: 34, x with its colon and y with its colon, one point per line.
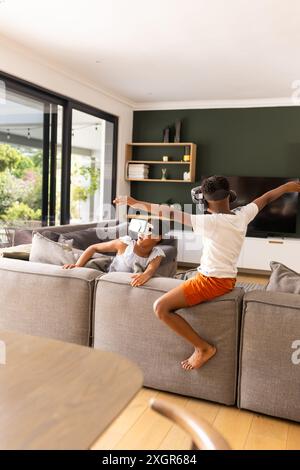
x: 138, y: 171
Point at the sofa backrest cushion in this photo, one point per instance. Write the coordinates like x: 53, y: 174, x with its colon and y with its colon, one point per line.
x: 82, y: 239
x: 283, y: 279
x: 47, y: 251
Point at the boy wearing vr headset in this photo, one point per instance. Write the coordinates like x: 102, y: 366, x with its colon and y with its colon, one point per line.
x: 223, y: 232
x: 141, y: 257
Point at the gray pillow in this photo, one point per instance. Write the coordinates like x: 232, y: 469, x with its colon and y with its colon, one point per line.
x: 46, y: 251
x: 22, y: 236
x: 283, y: 279
x: 102, y: 263
x: 82, y: 239
x: 54, y: 236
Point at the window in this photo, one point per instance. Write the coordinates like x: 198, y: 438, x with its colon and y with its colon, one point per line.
x: 57, y: 157
x: 91, y: 167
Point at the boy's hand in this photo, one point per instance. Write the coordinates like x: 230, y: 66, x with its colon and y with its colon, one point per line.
x: 130, y: 201
x: 139, y: 279
x: 70, y: 266
x: 293, y: 187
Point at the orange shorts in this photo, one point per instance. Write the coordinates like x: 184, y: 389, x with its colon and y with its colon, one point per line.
x: 201, y: 288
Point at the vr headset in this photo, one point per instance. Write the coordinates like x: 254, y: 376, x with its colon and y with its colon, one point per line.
x: 137, y: 226
x: 198, y: 197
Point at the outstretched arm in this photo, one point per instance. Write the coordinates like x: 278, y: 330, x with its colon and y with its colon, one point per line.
x: 111, y: 246
x: 270, y: 196
x: 159, y: 210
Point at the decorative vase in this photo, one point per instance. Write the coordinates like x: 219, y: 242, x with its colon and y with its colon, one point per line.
x: 177, y: 131
x: 166, y: 135
x: 163, y: 173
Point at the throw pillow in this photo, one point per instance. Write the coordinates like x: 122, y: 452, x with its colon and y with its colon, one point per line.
x: 283, y: 279
x: 82, y: 239
x: 101, y: 263
x: 17, y: 252
x: 47, y: 251
x: 54, y: 236
x: 22, y: 236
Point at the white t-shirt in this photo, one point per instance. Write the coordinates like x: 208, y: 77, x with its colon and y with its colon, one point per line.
x: 223, y: 236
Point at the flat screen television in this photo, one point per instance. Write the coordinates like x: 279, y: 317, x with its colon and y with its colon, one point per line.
x: 278, y: 217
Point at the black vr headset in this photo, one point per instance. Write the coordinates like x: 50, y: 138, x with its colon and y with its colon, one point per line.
x: 200, y: 198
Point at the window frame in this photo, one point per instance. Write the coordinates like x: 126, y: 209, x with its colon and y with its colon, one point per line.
x: 49, y: 151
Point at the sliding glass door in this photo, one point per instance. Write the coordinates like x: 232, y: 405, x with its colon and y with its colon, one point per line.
x: 57, y: 158
x: 28, y: 133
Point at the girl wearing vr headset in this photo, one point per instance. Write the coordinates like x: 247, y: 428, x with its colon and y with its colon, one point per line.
x: 223, y: 231
x: 141, y: 257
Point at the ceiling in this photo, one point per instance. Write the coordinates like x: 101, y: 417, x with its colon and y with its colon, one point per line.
x: 165, y: 50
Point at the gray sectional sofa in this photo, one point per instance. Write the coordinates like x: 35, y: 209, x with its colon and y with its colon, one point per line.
x: 254, y: 332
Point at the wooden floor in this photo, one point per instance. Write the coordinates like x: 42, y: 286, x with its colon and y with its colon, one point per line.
x: 138, y: 427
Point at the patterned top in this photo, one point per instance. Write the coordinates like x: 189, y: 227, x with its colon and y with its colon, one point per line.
x: 129, y: 261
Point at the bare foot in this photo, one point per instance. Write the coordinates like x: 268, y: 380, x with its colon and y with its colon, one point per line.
x: 199, y: 358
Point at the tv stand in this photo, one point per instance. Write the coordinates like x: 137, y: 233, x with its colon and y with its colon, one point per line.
x: 257, y: 253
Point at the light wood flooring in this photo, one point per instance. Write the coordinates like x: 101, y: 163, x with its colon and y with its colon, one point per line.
x: 138, y: 427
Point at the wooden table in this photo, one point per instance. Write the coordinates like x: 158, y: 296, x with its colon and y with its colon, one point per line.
x: 56, y: 395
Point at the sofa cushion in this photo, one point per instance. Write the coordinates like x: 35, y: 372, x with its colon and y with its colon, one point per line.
x: 82, y: 239
x: 269, y: 379
x: 22, y: 236
x: 54, y: 236
x: 46, y: 300
x: 125, y: 323
x: 283, y: 279
x: 46, y: 251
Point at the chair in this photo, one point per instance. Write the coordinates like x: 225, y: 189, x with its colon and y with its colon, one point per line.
x: 203, y: 435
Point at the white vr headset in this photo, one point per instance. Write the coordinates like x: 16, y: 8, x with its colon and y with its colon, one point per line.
x: 140, y: 226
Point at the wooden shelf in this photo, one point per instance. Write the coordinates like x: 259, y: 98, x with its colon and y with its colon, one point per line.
x: 158, y: 180
x: 147, y: 216
x: 156, y: 162
x: 160, y: 144
x: 191, y: 164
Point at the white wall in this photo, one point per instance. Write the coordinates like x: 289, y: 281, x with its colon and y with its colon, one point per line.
x: 21, y: 63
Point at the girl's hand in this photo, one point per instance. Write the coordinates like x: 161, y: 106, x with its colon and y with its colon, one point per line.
x: 70, y: 266
x: 128, y: 200
x: 139, y: 279
x: 293, y: 186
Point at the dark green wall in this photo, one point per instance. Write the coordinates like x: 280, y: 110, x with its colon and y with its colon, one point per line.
x: 244, y: 142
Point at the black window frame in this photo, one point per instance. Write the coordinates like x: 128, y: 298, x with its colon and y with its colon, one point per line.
x: 49, y: 166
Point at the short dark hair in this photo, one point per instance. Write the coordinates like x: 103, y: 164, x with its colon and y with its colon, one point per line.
x: 214, y: 183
